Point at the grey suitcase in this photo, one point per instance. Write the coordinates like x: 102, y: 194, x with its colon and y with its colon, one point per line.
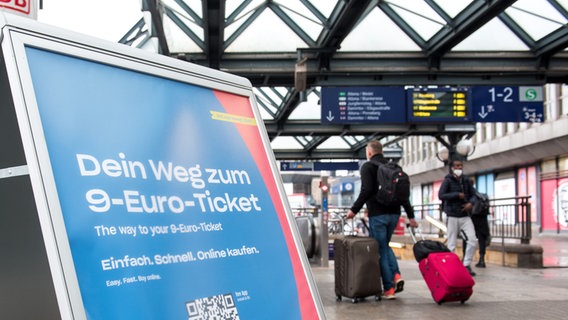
x: 357, y: 269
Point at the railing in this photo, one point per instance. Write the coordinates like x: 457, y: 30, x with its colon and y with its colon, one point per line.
x: 509, y: 218
x: 336, y: 223
x: 305, y: 211
x: 432, y: 210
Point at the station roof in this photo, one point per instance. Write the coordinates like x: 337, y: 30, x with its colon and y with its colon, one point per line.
x: 342, y: 43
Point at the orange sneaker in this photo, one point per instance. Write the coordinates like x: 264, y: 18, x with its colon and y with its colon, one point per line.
x: 389, y: 294
x: 398, y: 283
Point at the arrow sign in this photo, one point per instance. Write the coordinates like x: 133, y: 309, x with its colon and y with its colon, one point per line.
x: 330, y: 116
x: 484, y: 113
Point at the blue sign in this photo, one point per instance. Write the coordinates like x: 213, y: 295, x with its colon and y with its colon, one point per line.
x: 342, y: 187
x: 344, y: 105
x: 508, y: 103
x: 347, y: 187
x: 439, y: 105
x: 318, y: 166
x: 296, y: 166
x: 332, y: 166
x: 335, y: 188
x: 157, y: 181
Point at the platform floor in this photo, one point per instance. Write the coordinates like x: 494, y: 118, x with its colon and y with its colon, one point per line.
x: 499, y: 293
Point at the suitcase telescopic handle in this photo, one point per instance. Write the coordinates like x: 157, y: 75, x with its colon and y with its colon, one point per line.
x: 344, y: 223
x: 412, y: 231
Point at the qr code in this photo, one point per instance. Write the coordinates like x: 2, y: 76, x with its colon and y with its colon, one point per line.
x: 220, y: 307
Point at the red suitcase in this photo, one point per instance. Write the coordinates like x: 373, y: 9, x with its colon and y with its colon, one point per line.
x: 446, y: 277
x: 444, y: 273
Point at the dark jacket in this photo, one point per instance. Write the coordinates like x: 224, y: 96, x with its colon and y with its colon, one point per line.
x: 369, y: 190
x: 449, y: 194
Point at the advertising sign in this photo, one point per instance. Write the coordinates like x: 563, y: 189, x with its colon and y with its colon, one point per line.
x: 159, y: 188
x: 26, y: 8
x: 554, y: 193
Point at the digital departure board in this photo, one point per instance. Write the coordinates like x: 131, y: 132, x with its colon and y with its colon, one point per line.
x: 439, y: 105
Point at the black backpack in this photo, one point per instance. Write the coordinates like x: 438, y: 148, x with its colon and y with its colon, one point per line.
x: 393, y: 184
x: 422, y: 248
x: 481, y: 205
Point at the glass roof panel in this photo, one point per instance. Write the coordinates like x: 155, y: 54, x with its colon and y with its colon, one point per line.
x: 105, y: 19
x: 537, y: 17
x: 351, y: 140
x: 194, y: 6
x: 267, y: 33
x: 275, y: 94
x: 285, y: 143
x: 240, y: 17
x: 265, y: 104
x: 453, y: 7
x: 232, y: 26
x: 325, y: 7
x: 264, y: 114
x: 419, y: 15
x: 485, y: 39
x: 563, y: 3
x: 232, y: 5
x: 270, y: 98
x: 178, y: 40
x: 306, y: 139
x: 303, y: 17
x: 111, y: 19
x: 385, y: 35
x: 307, y: 110
x: 333, y: 143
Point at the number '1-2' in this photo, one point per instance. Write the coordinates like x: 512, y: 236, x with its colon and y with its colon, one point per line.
x: 507, y: 94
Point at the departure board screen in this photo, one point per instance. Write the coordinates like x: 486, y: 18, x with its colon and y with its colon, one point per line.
x: 439, y: 104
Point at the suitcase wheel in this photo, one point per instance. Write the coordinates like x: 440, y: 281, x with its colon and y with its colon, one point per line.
x: 378, y: 297
x: 337, y: 298
x: 354, y: 300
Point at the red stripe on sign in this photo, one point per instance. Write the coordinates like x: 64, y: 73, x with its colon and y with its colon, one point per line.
x: 240, y: 106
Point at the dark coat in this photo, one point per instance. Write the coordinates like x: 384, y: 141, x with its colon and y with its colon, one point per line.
x: 369, y: 190
x: 449, y: 194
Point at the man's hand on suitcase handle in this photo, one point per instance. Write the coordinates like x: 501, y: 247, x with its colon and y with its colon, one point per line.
x: 350, y: 215
x: 413, y: 223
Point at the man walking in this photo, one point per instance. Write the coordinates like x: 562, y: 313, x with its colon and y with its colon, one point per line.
x: 479, y: 216
x: 382, y: 219
x: 457, y: 195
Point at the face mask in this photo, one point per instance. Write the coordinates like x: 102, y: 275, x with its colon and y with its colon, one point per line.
x: 458, y: 172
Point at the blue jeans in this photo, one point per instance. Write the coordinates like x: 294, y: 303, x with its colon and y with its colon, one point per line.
x: 381, y: 228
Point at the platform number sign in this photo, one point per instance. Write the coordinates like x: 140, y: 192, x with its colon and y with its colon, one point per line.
x: 508, y: 103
